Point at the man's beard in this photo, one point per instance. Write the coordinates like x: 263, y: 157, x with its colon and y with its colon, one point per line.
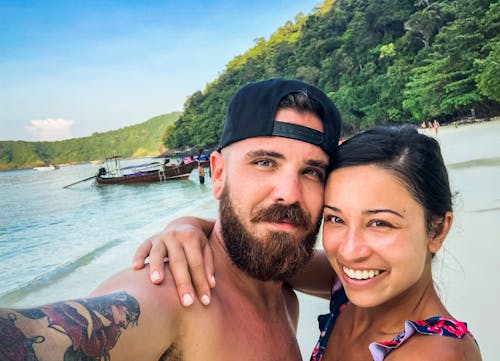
x: 275, y: 256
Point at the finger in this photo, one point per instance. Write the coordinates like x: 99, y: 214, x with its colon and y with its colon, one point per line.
x: 179, y: 268
x: 141, y: 254
x: 195, y: 261
x: 157, y: 256
x: 208, y: 259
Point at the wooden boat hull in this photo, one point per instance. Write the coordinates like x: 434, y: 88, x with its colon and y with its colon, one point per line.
x: 205, y: 163
x: 166, y: 174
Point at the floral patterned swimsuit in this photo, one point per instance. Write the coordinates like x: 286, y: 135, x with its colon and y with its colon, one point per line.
x: 432, y: 326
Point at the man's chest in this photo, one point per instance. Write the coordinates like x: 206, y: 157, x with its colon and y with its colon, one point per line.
x: 230, y: 335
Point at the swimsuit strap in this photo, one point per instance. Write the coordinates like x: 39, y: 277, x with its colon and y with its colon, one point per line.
x: 437, y: 325
x: 440, y: 326
x: 338, y: 301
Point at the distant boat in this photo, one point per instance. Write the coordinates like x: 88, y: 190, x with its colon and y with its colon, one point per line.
x: 112, y: 173
x: 46, y: 168
x: 203, y: 159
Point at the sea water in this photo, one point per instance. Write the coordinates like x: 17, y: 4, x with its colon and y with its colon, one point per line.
x: 58, y: 243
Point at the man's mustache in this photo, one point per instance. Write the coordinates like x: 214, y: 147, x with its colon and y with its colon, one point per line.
x: 277, y: 213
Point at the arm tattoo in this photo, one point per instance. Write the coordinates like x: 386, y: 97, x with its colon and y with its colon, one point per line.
x: 93, y: 325
x: 13, y: 344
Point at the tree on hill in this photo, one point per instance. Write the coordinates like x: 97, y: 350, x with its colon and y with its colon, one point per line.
x: 144, y: 139
x: 381, y: 61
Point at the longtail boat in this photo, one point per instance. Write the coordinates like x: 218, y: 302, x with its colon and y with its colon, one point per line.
x: 113, y: 173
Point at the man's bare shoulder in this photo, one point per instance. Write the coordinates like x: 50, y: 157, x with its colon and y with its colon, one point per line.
x: 138, y: 283
x: 125, y: 318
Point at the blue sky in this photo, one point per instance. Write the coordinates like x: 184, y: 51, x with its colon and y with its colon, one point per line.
x: 71, y: 68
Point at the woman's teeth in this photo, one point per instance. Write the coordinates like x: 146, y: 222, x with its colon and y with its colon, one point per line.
x: 360, y: 274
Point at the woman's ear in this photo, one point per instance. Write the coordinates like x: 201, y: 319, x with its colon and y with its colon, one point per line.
x: 440, y: 229
x: 218, y: 174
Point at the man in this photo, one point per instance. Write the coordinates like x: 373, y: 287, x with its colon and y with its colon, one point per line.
x: 269, y: 175
x: 201, y: 173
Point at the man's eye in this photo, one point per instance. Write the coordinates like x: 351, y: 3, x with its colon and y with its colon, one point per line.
x: 319, y: 174
x: 264, y: 163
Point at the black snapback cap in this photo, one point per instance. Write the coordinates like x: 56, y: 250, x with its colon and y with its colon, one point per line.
x: 251, y: 113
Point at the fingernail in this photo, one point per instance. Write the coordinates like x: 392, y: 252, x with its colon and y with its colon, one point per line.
x: 205, y: 300
x: 155, y: 276
x: 212, y: 279
x: 187, y: 300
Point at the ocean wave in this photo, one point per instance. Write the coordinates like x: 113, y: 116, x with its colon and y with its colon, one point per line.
x: 43, y: 280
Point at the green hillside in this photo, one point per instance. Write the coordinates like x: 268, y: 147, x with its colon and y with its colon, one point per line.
x: 138, y: 140
x: 381, y: 61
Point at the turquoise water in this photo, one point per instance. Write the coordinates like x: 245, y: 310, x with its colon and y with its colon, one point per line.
x: 47, y: 232
x: 60, y: 243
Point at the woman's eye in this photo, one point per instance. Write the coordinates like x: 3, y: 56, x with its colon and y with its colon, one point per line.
x: 333, y: 219
x: 379, y: 224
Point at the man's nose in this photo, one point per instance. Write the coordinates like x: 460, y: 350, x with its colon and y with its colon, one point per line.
x: 288, y: 188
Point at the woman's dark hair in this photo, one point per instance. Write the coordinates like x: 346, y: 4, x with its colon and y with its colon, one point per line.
x: 412, y: 157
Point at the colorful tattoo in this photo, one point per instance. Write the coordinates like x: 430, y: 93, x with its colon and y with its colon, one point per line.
x: 93, y: 325
x: 13, y: 344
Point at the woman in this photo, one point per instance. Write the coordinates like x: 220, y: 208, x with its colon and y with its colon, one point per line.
x: 387, y: 211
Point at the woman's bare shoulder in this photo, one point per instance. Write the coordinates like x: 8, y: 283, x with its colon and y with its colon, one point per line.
x: 437, y: 348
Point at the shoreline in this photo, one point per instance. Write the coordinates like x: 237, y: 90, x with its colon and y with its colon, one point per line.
x: 466, y: 122
x: 456, y: 126
x: 178, y: 153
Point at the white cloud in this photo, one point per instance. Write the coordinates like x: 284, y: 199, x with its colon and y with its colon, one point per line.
x: 50, y: 129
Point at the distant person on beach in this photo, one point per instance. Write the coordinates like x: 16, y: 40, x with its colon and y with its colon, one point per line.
x: 269, y: 175
x: 387, y: 211
x: 435, y: 124
x: 201, y: 173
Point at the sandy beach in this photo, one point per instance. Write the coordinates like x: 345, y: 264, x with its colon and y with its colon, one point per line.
x: 73, y: 239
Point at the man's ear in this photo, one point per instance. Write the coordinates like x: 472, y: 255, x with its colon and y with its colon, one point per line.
x: 440, y: 229
x: 218, y: 173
